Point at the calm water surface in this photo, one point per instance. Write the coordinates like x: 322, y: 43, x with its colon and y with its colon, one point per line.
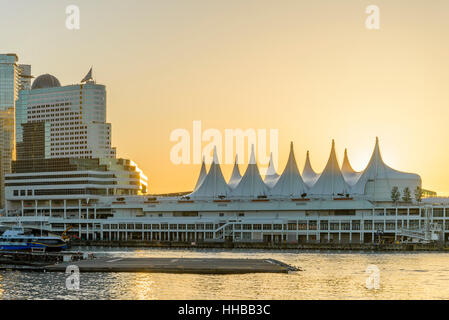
x: 324, y: 276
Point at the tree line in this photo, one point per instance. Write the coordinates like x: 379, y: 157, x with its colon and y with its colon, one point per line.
x: 406, y: 194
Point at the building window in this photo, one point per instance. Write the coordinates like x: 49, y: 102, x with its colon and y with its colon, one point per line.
x: 438, y: 212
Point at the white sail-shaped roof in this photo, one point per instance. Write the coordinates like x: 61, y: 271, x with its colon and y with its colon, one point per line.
x: 271, y: 176
x: 290, y: 183
x: 235, y: 176
x: 331, y: 181
x: 309, y: 175
x: 351, y: 176
x: 378, y: 179
x: 251, y: 184
x: 214, y: 184
x: 203, y: 174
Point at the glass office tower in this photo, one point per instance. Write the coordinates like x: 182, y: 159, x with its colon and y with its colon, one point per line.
x: 13, y: 78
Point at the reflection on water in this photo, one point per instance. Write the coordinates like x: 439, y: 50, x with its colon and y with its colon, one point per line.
x: 324, y: 276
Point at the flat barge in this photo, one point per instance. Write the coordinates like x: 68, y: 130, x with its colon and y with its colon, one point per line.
x: 58, y: 262
x: 177, y: 265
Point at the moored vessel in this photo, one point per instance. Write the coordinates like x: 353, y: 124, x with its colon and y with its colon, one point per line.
x: 17, y: 238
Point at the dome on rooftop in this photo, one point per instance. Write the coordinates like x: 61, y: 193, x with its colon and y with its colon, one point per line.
x: 45, y: 81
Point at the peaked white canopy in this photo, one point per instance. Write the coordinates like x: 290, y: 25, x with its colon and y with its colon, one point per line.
x: 351, y: 176
x: 235, y: 176
x: 214, y: 184
x: 290, y: 183
x: 331, y: 181
x: 251, y: 184
x: 378, y: 179
x: 271, y: 177
x: 203, y: 174
x: 308, y: 174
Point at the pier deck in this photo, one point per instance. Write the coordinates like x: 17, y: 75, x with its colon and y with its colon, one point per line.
x: 177, y: 265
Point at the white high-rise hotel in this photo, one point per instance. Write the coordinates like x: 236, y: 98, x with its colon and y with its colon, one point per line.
x: 74, y: 117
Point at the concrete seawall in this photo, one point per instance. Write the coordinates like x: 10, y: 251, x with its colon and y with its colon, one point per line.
x: 267, y: 246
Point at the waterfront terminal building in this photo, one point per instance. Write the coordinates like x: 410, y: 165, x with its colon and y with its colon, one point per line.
x: 67, y: 176
x: 103, y: 200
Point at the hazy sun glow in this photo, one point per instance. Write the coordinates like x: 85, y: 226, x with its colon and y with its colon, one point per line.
x: 307, y: 68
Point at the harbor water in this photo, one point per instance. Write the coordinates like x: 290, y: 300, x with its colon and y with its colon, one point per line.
x: 324, y: 275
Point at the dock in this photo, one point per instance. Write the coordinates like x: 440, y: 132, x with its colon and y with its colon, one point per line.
x: 38, y: 258
x: 176, y: 265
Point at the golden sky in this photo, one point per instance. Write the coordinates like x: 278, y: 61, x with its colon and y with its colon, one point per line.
x: 307, y: 68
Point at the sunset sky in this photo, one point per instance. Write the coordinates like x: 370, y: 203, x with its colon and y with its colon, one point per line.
x: 310, y: 69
